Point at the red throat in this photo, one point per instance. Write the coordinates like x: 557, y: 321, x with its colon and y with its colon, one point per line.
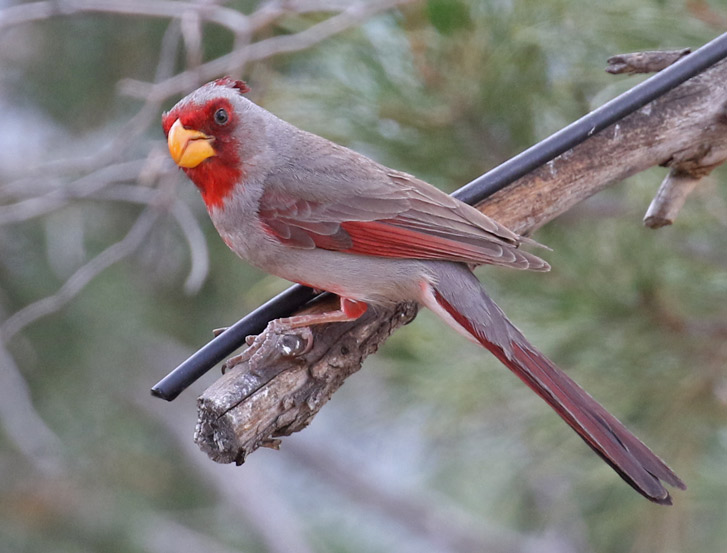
x: 215, y: 180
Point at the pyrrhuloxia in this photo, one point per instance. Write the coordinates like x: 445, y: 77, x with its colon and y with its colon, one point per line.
x: 300, y: 207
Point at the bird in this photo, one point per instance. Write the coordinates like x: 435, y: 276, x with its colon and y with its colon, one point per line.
x: 305, y: 209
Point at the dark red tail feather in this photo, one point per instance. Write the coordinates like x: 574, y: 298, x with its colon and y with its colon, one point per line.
x: 610, y: 439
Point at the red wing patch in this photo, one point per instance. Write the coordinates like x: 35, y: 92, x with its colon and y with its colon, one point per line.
x: 307, y: 224
x: 388, y: 239
x: 383, y: 238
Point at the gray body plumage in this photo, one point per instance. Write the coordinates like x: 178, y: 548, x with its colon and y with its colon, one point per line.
x: 310, y: 211
x: 342, y: 185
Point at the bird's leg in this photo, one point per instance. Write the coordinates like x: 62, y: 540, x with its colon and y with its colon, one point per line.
x: 349, y: 310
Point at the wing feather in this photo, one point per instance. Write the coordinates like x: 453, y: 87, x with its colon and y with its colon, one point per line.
x: 400, y: 217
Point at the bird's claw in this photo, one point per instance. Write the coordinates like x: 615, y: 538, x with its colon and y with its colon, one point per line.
x: 287, y: 343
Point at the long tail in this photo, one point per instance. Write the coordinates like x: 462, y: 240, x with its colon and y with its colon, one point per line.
x: 460, y: 300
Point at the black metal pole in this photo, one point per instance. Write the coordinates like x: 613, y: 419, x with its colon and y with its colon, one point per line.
x: 473, y: 193
x: 223, y: 345
x: 568, y: 137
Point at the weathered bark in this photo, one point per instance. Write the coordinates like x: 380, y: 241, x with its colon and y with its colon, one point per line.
x: 250, y: 407
x: 644, y: 62
x: 684, y: 128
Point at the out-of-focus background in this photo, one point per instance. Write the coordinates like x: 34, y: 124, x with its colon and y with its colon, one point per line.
x: 111, y: 274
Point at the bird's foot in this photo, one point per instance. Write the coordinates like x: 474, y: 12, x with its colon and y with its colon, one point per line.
x: 279, y: 339
x: 292, y: 335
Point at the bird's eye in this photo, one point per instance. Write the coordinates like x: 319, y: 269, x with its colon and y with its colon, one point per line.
x: 221, y: 116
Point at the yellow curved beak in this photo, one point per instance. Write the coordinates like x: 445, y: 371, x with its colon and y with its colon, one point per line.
x: 188, y: 148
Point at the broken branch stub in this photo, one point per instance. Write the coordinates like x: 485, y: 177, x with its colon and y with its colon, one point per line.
x: 252, y: 406
x: 687, y: 167
x: 644, y: 62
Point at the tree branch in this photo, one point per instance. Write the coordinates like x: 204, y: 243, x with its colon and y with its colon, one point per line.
x: 236, y: 60
x: 251, y: 407
x: 38, y: 11
x: 684, y: 127
x: 78, y: 281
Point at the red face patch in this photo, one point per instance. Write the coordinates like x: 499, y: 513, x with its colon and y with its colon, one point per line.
x: 217, y: 176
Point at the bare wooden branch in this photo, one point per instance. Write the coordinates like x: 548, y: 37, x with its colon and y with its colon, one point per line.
x: 248, y: 408
x: 669, y: 199
x: 644, y: 62
x: 687, y: 167
x: 687, y: 125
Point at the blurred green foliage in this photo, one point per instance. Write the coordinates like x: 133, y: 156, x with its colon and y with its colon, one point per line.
x: 444, y: 90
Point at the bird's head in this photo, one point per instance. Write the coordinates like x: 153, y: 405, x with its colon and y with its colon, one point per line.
x: 204, y: 134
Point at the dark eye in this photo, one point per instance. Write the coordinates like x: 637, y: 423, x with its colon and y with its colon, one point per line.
x: 221, y: 116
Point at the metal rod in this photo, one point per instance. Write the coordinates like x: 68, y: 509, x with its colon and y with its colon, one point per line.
x: 223, y: 345
x: 568, y: 137
x: 473, y: 193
